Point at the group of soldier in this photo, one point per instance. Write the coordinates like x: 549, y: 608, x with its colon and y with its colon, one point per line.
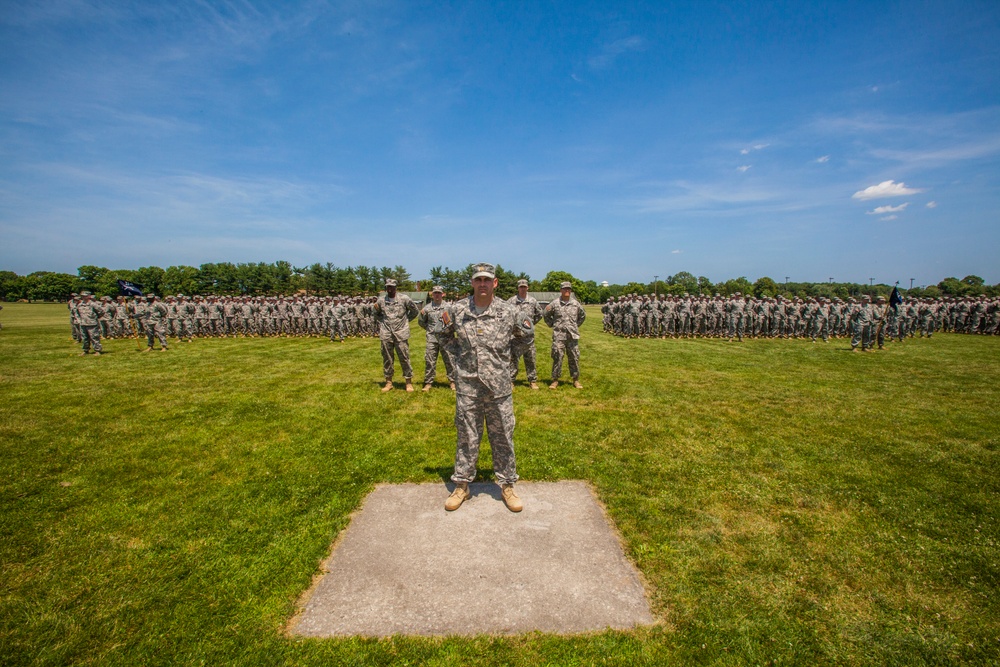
x: 189, y: 317
x: 867, y: 323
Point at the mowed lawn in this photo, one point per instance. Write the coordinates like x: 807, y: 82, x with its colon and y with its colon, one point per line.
x: 786, y: 502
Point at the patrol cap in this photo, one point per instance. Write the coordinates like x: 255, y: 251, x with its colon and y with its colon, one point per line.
x: 85, y: 293
x: 437, y: 289
x: 565, y: 285
x: 483, y: 269
x: 390, y: 282
x: 522, y: 283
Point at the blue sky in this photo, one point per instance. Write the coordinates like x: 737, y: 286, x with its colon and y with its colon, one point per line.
x: 616, y: 141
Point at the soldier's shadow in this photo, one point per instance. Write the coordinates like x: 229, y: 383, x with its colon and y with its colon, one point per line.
x: 485, y: 482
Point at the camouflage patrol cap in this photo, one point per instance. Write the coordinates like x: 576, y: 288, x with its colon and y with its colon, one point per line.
x: 522, y: 283
x: 865, y: 297
x: 483, y: 269
x: 85, y: 293
x: 390, y: 282
x: 565, y: 285
x: 437, y: 289
x: 881, y: 298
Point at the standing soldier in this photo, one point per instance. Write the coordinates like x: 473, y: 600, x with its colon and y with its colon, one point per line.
x: 88, y: 314
x: 430, y: 319
x: 155, y: 317
x: 565, y: 315
x: 527, y: 308
x: 482, y: 329
x: 393, y: 315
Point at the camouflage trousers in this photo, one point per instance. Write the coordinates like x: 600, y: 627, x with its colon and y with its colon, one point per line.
x: 570, y: 349
x: 435, y: 346
x: 471, y: 412
x: 91, y: 336
x: 391, y: 347
x: 520, y: 349
x: 157, y: 330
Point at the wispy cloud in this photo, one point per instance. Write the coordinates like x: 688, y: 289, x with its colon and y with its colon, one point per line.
x: 931, y: 204
x: 885, y: 189
x: 675, y: 252
x: 743, y: 168
x: 879, y: 210
x: 824, y: 159
x: 611, y: 51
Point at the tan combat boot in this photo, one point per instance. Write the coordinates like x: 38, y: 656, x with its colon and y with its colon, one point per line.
x: 457, y: 497
x: 387, y: 387
x: 576, y: 383
x: 554, y: 385
x: 510, y: 498
x: 534, y: 385
x: 427, y: 387
x: 409, y: 386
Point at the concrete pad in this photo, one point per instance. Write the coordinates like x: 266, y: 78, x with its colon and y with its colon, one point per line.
x: 406, y: 566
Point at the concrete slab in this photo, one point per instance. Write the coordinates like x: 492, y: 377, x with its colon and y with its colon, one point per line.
x: 406, y: 566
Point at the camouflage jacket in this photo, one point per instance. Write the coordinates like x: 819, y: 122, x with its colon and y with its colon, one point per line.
x: 480, y: 346
x: 394, y: 315
x: 565, y: 318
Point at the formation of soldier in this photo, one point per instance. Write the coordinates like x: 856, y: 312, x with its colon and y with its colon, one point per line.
x: 185, y: 317
x: 739, y: 316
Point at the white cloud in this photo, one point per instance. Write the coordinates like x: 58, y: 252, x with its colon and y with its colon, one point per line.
x: 931, y: 204
x: 743, y: 168
x: 755, y: 147
x: 610, y: 52
x: 821, y: 160
x: 675, y: 252
x: 885, y: 189
x: 879, y: 210
x: 744, y: 151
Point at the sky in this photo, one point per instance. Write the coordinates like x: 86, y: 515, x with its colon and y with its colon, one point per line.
x: 851, y: 141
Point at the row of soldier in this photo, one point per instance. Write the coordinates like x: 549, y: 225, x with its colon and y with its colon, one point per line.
x: 186, y: 317
x: 643, y: 316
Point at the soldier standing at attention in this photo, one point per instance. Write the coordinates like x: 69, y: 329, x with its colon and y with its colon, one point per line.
x: 393, y: 315
x: 156, y: 315
x: 527, y: 307
x: 565, y: 315
x: 483, y: 329
x: 89, y: 313
x: 430, y: 320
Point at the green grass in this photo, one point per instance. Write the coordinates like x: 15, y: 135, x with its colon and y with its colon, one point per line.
x: 786, y: 502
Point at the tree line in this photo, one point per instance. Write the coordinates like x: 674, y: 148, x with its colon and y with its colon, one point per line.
x: 262, y: 279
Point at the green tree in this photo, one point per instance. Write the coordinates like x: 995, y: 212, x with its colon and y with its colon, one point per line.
x: 180, y: 280
x: 765, y: 287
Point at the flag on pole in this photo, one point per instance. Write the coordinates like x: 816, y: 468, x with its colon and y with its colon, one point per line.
x: 129, y: 289
x: 895, y: 299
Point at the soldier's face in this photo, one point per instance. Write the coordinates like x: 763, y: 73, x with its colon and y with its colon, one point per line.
x: 522, y: 291
x: 390, y: 290
x: 436, y: 297
x: 484, y: 285
x: 564, y: 292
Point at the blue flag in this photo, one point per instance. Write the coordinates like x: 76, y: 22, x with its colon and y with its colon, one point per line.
x: 895, y: 299
x: 129, y: 289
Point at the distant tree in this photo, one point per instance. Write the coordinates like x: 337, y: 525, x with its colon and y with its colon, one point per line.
x: 704, y: 285
x: 765, y: 287
x: 12, y: 286
x: 732, y: 286
x: 685, y: 280
x: 180, y: 280
x: 973, y: 281
x: 151, y: 279
x: 50, y: 286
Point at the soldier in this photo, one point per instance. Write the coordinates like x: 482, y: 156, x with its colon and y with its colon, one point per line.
x: 527, y: 308
x: 482, y: 329
x: 861, y: 319
x: 155, y: 317
x: 565, y: 315
x: 88, y: 313
x: 393, y: 315
x: 430, y: 319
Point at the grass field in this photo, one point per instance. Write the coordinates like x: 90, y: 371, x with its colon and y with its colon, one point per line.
x: 786, y: 502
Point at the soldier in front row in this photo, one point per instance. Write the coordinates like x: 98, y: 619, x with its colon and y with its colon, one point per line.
x: 481, y: 330
x: 393, y: 314
x: 430, y: 319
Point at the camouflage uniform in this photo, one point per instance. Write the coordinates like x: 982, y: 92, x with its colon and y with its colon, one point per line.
x: 565, y: 320
x: 88, y: 313
x: 528, y: 309
x: 430, y: 319
x: 480, y: 350
x: 393, y: 317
